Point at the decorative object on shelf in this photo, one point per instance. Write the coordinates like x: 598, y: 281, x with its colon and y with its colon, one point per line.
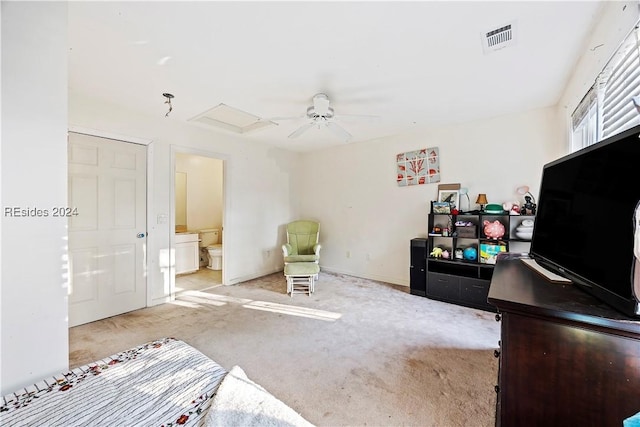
x: 465, y: 192
x: 512, y: 207
x: 529, y: 206
x: 440, y: 207
x: 418, y: 167
x: 445, y: 254
x: 459, y: 254
x: 482, y: 201
x: 470, y: 253
x: 466, y: 229
x: 489, y: 251
x: 525, y: 230
x: 493, y: 208
x: 449, y: 193
x: 436, y: 252
x: 493, y: 229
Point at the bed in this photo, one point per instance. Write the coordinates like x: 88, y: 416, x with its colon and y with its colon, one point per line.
x: 160, y: 383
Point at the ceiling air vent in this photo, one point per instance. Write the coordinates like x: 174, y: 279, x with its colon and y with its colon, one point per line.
x: 498, y: 38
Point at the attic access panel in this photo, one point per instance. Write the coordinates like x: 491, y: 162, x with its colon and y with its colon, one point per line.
x: 229, y: 118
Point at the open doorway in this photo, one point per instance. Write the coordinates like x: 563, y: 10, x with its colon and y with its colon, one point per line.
x: 198, y: 220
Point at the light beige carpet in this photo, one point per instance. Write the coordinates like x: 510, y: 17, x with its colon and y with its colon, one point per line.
x: 355, y: 353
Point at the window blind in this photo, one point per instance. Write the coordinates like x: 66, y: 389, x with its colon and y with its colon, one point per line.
x: 622, y: 83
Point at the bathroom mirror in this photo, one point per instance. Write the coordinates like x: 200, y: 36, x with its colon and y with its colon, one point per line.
x: 181, y: 201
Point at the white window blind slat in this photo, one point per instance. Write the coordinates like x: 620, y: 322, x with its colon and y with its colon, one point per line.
x: 624, y: 84
x: 622, y: 102
x: 617, y: 79
x: 624, y: 110
x: 625, y: 121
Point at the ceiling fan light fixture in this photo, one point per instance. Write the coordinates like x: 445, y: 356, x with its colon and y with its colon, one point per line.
x: 321, y: 104
x: 321, y: 114
x: 312, y: 113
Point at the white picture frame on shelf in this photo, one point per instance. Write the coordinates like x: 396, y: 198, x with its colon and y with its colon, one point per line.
x: 450, y: 196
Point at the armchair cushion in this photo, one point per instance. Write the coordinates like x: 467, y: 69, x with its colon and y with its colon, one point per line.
x: 289, y: 256
x: 301, y: 258
x: 302, y: 237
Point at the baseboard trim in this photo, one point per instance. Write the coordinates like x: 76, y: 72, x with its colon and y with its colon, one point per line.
x: 385, y: 279
x: 252, y: 276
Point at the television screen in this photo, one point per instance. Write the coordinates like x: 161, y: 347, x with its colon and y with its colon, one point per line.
x: 584, y: 227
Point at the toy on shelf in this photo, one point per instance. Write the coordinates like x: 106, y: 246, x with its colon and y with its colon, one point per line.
x: 470, y: 253
x: 512, y: 207
x: 493, y: 230
x: 529, y: 208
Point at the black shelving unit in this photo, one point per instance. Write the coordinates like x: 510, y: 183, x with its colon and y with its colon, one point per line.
x: 457, y: 279
x: 418, y: 268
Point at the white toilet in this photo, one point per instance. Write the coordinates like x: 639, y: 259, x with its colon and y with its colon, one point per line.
x: 209, y: 239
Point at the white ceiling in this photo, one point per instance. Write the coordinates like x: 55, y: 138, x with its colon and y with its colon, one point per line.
x: 412, y: 64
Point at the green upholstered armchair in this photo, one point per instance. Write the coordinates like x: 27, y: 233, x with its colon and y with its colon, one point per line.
x: 302, y: 242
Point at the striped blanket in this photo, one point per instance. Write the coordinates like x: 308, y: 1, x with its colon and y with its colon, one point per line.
x: 160, y: 383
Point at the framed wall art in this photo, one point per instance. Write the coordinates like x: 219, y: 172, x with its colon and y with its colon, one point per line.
x: 418, y: 167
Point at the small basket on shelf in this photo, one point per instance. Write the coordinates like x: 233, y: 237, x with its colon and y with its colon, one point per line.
x: 468, y: 231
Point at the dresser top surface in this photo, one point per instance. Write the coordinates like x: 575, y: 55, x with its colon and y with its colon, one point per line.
x: 518, y: 288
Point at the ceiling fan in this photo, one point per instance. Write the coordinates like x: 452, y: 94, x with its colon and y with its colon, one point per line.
x: 321, y: 114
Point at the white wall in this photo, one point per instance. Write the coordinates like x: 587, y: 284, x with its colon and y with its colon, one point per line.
x: 33, y: 319
x: 352, y: 189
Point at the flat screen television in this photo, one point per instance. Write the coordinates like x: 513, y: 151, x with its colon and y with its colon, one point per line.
x: 587, y: 217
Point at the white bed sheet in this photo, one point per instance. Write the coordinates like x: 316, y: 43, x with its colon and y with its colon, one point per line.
x: 161, y: 383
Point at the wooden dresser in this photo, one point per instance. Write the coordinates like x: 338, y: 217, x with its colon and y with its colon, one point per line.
x: 565, y: 358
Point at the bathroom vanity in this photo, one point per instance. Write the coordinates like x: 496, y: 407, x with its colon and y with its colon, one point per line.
x: 187, y: 252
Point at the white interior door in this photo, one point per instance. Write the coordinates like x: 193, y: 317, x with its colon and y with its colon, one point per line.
x: 107, y: 237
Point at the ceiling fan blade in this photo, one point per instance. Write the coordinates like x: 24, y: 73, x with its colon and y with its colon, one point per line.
x: 336, y: 129
x: 357, y: 117
x: 302, y: 129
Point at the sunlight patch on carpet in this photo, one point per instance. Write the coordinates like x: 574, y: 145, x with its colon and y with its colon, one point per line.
x: 294, y: 310
x: 185, y: 304
x: 195, y: 299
